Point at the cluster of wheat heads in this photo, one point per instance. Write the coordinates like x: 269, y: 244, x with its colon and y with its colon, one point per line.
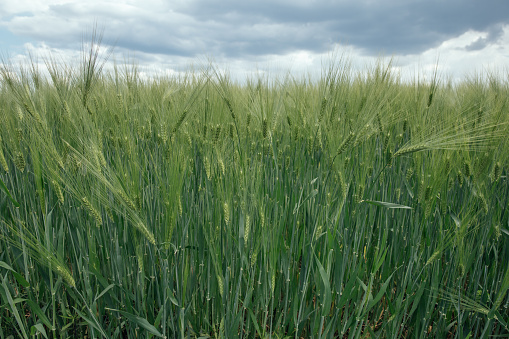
x: 352, y: 206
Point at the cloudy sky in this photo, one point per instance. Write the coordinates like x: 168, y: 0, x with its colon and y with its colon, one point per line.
x: 465, y: 36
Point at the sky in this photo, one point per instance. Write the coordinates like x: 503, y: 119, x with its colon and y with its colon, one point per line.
x: 462, y: 37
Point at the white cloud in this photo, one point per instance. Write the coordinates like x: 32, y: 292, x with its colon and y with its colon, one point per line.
x: 456, y: 62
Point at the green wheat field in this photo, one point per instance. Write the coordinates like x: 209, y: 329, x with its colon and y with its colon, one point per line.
x: 355, y: 205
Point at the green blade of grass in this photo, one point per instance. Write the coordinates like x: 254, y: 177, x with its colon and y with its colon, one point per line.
x: 380, y: 294
x: 38, y: 328
x: 386, y: 204
x: 103, y: 292
x: 327, y: 295
x: 142, y: 322
x: 92, y: 322
x: 37, y: 310
x: 7, y: 294
x: 19, y: 278
x: 4, y: 188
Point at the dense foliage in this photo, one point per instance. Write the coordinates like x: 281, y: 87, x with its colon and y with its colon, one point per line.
x: 352, y: 206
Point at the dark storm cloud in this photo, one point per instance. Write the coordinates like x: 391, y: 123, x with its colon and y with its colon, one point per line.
x: 400, y: 27
x: 248, y: 29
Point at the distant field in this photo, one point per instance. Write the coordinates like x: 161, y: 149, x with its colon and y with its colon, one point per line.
x: 355, y: 206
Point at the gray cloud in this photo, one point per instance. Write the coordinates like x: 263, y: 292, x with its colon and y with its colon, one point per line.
x: 399, y: 27
x: 251, y: 29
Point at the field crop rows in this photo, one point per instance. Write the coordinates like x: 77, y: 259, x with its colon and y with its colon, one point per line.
x: 354, y: 206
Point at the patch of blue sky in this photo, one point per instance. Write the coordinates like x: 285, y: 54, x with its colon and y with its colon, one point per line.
x: 11, y: 43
